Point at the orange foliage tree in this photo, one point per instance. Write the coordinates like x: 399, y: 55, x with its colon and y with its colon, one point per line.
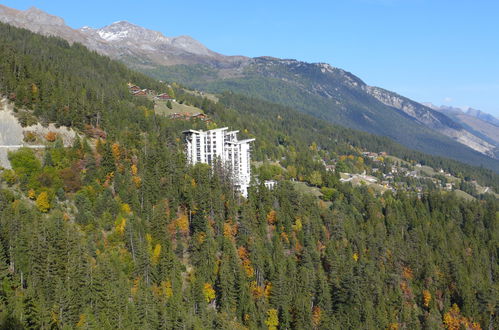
x: 51, y: 136
x: 453, y: 320
x: 272, y: 217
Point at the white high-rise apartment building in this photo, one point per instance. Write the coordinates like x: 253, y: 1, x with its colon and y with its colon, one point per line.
x: 222, y: 145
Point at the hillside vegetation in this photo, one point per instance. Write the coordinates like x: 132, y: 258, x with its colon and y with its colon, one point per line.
x: 118, y: 231
x: 327, y: 93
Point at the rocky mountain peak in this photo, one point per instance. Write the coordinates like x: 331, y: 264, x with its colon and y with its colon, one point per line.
x: 35, y: 14
x: 123, y: 30
x: 190, y: 45
x: 32, y: 15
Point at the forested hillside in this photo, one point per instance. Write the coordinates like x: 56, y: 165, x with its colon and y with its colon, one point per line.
x: 119, y: 232
x: 335, y: 96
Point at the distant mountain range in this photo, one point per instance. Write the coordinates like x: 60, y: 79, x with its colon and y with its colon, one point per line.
x: 480, y: 123
x: 319, y: 89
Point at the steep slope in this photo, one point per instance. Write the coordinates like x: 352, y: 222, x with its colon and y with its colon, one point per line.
x: 40, y: 22
x: 481, y: 124
x: 483, y: 116
x: 120, y: 40
x: 318, y: 89
x: 137, y: 45
x: 338, y: 96
x: 435, y: 120
x: 121, y: 232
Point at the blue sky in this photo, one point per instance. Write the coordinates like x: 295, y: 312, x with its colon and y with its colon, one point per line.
x: 445, y: 52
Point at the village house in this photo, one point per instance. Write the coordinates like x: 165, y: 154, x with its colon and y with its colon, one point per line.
x: 164, y: 97
x: 270, y: 184
x: 133, y: 88
x: 142, y: 92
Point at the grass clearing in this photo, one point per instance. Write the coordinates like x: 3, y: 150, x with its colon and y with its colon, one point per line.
x: 304, y: 188
x: 161, y: 108
x: 211, y: 97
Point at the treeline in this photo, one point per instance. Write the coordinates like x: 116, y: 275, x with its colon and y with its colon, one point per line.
x: 122, y: 233
x: 64, y: 83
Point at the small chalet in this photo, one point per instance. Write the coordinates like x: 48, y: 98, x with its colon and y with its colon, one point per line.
x: 175, y: 115
x: 134, y: 88
x: 142, y: 92
x: 164, y: 97
x: 200, y: 116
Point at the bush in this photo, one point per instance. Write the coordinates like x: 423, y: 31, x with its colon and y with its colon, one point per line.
x: 29, y: 136
x: 10, y: 177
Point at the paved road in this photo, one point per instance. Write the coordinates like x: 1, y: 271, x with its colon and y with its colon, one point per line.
x: 22, y: 146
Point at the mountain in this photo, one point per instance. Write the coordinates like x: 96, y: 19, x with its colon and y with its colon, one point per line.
x: 129, y: 41
x: 119, y: 231
x: 318, y: 89
x: 483, y: 116
x: 436, y: 120
x: 120, y: 40
x: 340, y: 97
x: 480, y: 123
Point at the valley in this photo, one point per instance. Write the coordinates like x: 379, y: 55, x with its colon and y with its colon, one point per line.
x: 105, y: 222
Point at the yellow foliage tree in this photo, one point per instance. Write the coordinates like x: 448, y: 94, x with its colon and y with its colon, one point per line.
x: 135, y: 287
x: 256, y: 290
x: 230, y: 230
x: 155, y: 254
x: 407, y: 273
x: 285, y: 237
x: 183, y: 223
x: 120, y: 225
x: 126, y: 208
x: 82, y: 321
x: 243, y: 254
x: 268, y: 289
x: 271, y: 217
x: 208, y: 292
x: 31, y: 194
x: 426, y: 298
x: 34, y: 90
x: 137, y: 181
x: 42, y: 202
x: 272, y: 320
x: 134, y: 169
x: 393, y: 326
x: 298, y: 225
x: 316, y: 316
x: 355, y: 256
x: 115, y: 148
x: 167, y: 288
x: 453, y: 320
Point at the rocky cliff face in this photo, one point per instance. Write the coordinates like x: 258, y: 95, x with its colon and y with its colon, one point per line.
x: 483, y: 116
x: 478, y: 122
x: 419, y: 112
x: 434, y: 119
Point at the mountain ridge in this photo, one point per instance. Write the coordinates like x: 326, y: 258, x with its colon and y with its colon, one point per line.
x: 319, y: 89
